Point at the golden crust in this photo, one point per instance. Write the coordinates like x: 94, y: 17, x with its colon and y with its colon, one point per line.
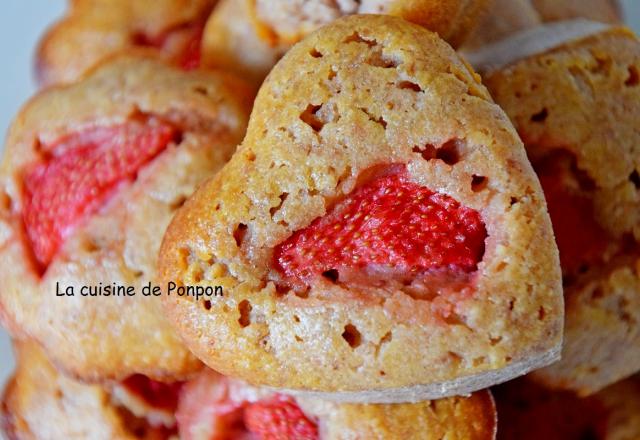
x: 41, y: 404
x: 408, y: 351
x: 591, y: 86
x: 530, y: 412
x: 108, y: 337
x: 468, y: 418
x: 95, y: 29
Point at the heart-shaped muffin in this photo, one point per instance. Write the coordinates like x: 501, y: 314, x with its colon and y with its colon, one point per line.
x: 39, y: 402
x: 91, y: 177
x: 379, y: 235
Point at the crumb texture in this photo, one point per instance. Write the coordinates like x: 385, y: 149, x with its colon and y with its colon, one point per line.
x: 379, y: 92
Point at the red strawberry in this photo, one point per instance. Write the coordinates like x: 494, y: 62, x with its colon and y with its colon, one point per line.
x: 157, y: 394
x: 191, y: 54
x: 183, y: 41
x: 84, y: 170
x: 279, y: 418
x: 388, y: 223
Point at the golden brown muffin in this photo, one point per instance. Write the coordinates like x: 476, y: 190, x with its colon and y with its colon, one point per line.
x: 530, y: 412
x: 607, y: 11
x: 370, y: 108
x: 214, y: 407
x: 91, y: 176
x: 577, y: 107
x: 41, y: 404
x: 94, y: 29
x: 249, y: 36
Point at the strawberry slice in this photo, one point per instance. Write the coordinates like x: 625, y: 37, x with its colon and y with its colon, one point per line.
x: 156, y: 394
x: 182, y: 42
x: 83, y: 171
x: 279, y: 418
x: 389, y: 224
x: 212, y: 407
x: 191, y: 54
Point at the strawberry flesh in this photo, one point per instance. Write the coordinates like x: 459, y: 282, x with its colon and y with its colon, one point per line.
x: 389, y: 223
x: 183, y: 43
x: 80, y: 173
x: 279, y: 418
x: 157, y: 394
x: 192, y: 52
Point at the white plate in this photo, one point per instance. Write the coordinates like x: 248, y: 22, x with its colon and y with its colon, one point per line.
x: 21, y: 23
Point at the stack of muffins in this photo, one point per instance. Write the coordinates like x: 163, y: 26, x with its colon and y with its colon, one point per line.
x: 405, y: 248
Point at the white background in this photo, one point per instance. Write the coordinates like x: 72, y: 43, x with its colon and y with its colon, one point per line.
x: 21, y: 23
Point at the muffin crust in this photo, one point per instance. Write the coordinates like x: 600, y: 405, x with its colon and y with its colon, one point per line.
x: 378, y: 91
x: 100, y: 338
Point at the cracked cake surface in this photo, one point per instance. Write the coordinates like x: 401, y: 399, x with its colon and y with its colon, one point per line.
x: 292, y: 20
x: 41, y: 403
x: 385, y: 101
